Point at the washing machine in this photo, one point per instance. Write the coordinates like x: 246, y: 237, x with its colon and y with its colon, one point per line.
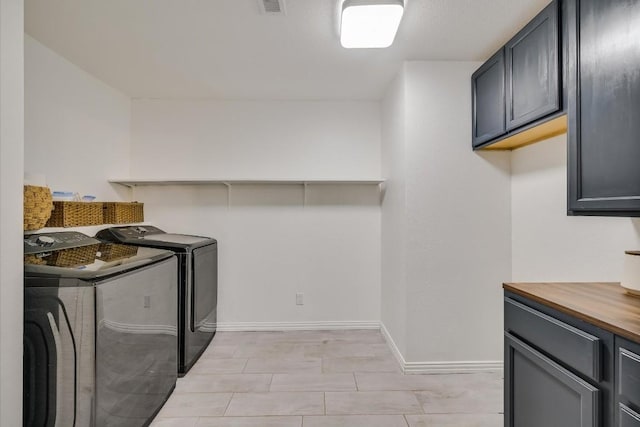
x: 100, y: 331
x: 198, y: 283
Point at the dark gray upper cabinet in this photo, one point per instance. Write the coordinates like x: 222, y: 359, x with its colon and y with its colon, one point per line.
x: 487, y: 89
x: 603, y: 59
x: 532, y: 70
x: 520, y: 87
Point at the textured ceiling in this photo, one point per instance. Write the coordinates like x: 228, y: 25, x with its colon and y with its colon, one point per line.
x: 227, y: 49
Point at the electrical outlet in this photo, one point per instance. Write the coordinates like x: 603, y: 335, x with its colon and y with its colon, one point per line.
x: 299, y: 298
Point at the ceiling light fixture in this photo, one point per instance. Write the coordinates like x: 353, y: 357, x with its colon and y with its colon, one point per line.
x: 370, y: 23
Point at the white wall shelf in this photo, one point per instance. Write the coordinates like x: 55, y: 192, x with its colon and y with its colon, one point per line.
x: 228, y: 182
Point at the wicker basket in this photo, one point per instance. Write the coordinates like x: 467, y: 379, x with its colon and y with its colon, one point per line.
x: 37, y: 207
x: 65, y: 258
x: 111, y: 251
x: 74, y: 214
x: 123, y: 213
x: 34, y: 259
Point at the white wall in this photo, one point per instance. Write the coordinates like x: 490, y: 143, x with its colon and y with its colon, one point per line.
x: 272, y: 243
x: 548, y: 245
x: 76, y: 127
x: 394, y: 220
x: 11, y: 154
x: 457, y: 208
x: 458, y: 221
x: 263, y: 139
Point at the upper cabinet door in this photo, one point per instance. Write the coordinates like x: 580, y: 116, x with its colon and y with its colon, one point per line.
x: 487, y: 88
x: 532, y: 70
x: 603, y: 39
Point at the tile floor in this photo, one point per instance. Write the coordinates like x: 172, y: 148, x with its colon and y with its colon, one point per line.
x: 323, y: 379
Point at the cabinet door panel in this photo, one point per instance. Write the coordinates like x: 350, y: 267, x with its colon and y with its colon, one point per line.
x: 604, y: 94
x: 488, y: 100
x: 629, y: 376
x: 539, y: 392
x: 628, y: 417
x: 627, y: 382
x: 532, y: 70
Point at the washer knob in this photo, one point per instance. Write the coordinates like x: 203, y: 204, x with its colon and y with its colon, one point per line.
x: 45, y: 241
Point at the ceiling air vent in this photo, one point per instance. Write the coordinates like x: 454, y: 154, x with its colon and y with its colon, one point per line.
x: 272, y: 7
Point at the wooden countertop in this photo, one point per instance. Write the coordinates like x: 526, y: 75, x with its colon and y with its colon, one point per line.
x: 605, y: 305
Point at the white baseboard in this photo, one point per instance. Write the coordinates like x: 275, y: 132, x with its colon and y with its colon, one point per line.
x: 295, y: 326
x: 392, y: 346
x: 465, y: 367
x: 439, y: 367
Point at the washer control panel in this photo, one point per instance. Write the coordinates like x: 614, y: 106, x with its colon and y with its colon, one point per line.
x: 49, y: 242
x: 135, y: 231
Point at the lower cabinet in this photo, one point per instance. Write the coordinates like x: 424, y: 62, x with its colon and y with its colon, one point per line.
x: 627, y: 383
x: 541, y: 393
x: 558, y: 370
x: 628, y: 417
x: 572, y: 356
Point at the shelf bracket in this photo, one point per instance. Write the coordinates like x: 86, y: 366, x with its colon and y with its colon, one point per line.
x: 228, y: 185
x: 304, y: 194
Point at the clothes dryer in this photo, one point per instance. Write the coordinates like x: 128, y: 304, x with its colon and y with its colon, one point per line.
x: 198, y: 283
